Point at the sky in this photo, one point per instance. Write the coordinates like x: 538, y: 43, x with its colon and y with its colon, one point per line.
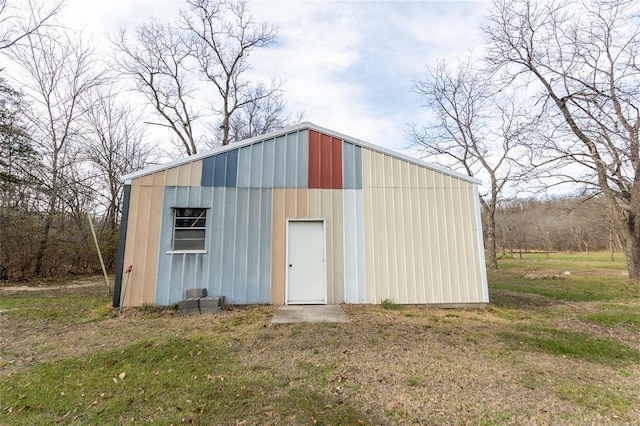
x: 348, y: 66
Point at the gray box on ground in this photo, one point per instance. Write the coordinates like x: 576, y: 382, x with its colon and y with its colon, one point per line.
x: 189, y: 306
x: 194, y: 293
x: 211, y: 304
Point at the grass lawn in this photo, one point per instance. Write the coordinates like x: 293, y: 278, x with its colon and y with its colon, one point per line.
x: 552, y: 348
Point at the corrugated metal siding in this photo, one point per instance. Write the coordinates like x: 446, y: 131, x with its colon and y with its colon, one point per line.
x: 325, y: 161
x: 143, y: 233
x: 329, y: 204
x: 287, y: 204
x: 275, y: 163
x: 220, y: 170
x: 238, y: 246
x: 420, y: 234
x: 189, y: 174
x: 351, y: 166
x: 354, y: 271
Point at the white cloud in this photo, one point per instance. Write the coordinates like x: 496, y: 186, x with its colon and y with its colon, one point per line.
x: 348, y: 65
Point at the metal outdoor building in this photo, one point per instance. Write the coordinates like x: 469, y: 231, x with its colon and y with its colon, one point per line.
x: 302, y: 215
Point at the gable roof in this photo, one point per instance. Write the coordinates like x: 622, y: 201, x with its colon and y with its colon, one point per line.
x: 302, y: 126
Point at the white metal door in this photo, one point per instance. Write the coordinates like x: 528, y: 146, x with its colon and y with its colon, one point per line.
x: 306, y: 271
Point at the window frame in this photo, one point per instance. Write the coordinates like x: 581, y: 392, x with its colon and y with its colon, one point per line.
x: 199, y: 216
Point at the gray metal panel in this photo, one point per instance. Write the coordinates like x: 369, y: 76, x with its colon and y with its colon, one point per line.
x: 280, y: 162
x: 348, y: 169
x: 229, y: 245
x: 358, y: 167
x: 303, y: 159
x: 260, y: 226
x: 268, y: 158
x: 244, y: 166
x: 274, y: 163
x: 291, y: 166
x: 238, y: 241
x: 257, y: 164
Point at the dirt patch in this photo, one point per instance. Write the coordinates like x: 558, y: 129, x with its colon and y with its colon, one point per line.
x: 44, y: 286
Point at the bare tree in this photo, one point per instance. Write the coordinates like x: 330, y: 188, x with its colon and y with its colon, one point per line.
x: 473, y: 128
x: 224, y: 33
x: 18, y: 22
x: 213, y: 40
x: 261, y: 116
x: 114, y: 143
x: 583, y: 58
x: 58, y: 71
x: 157, y: 60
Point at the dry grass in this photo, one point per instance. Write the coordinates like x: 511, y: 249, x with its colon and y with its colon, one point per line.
x: 414, y: 365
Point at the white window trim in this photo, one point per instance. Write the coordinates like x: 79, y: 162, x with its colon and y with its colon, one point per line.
x: 186, y: 252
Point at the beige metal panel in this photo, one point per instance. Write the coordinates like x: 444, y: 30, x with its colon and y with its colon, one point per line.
x: 287, y: 204
x: 328, y: 204
x: 420, y: 234
x: 188, y: 174
x: 143, y: 238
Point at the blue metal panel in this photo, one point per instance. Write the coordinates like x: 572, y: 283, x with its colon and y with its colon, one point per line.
x: 207, y: 171
x: 232, y: 168
x: 351, y: 166
x: 219, y: 170
x: 261, y: 227
x: 238, y: 246
x: 178, y: 272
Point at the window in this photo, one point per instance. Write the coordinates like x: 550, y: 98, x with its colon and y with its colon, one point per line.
x: 189, y: 227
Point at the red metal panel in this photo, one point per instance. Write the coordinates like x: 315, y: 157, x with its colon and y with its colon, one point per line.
x: 314, y: 160
x: 336, y: 163
x: 325, y: 161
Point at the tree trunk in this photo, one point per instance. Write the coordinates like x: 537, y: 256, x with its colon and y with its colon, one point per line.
x: 46, y: 231
x: 44, y: 242
x: 632, y: 251
x: 491, y: 240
